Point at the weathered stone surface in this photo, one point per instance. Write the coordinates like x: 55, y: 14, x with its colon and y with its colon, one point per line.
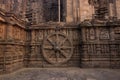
x: 51, y: 44
x: 63, y: 74
x: 118, y: 8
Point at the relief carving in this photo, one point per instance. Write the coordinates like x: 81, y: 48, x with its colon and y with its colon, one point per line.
x: 40, y: 37
x: 92, y: 34
x: 0, y: 50
x: 1, y: 30
x: 117, y: 33
x: 10, y: 32
x: 104, y: 34
x: 14, y: 32
x: 1, y: 33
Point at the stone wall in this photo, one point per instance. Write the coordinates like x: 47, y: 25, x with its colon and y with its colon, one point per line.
x: 12, y: 43
x: 93, y: 46
x: 100, y: 47
x: 87, y: 46
x: 35, y: 57
x: 38, y: 11
x: 17, y: 7
x: 78, y: 10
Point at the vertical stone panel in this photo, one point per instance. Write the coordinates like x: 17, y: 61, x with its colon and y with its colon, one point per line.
x: 9, y: 58
x: 118, y: 8
x: 102, y: 51
x: 9, y: 32
x: 2, y: 31
x: 69, y: 16
x: 2, y: 67
x: 86, y: 10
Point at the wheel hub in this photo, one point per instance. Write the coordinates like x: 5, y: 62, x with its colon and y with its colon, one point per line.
x: 56, y: 48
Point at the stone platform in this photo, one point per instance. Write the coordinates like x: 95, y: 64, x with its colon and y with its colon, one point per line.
x: 63, y: 74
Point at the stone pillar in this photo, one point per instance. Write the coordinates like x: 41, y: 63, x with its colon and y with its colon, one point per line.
x: 33, y: 36
x: 86, y: 10
x: 111, y: 9
x: 76, y: 10
x: 115, y: 7
x: 9, y: 32
x: 93, y: 11
x: 2, y: 31
x: 59, y: 11
x: 79, y: 10
x: 69, y: 10
x: 117, y: 3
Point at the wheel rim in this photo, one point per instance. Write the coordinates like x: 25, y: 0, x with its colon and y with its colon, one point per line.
x: 57, y: 48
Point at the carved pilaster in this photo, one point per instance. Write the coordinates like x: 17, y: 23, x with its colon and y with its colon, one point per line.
x: 33, y: 35
x: 2, y: 31
x: 111, y: 9
x: 9, y: 32
x: 69, y: 12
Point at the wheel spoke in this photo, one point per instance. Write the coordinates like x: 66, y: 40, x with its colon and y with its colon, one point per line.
x: 66, y: 47
x: 57, y: 56
x: 62, y: 42
x: 57, y: 39
x: 48, y: 47
x: 63, y: 53
x: 51, y: 55
x: 50, y: 41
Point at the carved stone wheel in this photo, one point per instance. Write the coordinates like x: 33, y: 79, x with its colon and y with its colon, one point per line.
x: 57, y: 48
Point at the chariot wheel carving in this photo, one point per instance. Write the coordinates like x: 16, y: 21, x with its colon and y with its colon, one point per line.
x: 57, y: 48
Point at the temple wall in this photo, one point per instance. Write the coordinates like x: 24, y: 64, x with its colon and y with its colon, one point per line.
x: 79, y: 10
x: 93, y: 46
x: 12, y: 47
x: 86, y: 10
x: 100, y: 47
